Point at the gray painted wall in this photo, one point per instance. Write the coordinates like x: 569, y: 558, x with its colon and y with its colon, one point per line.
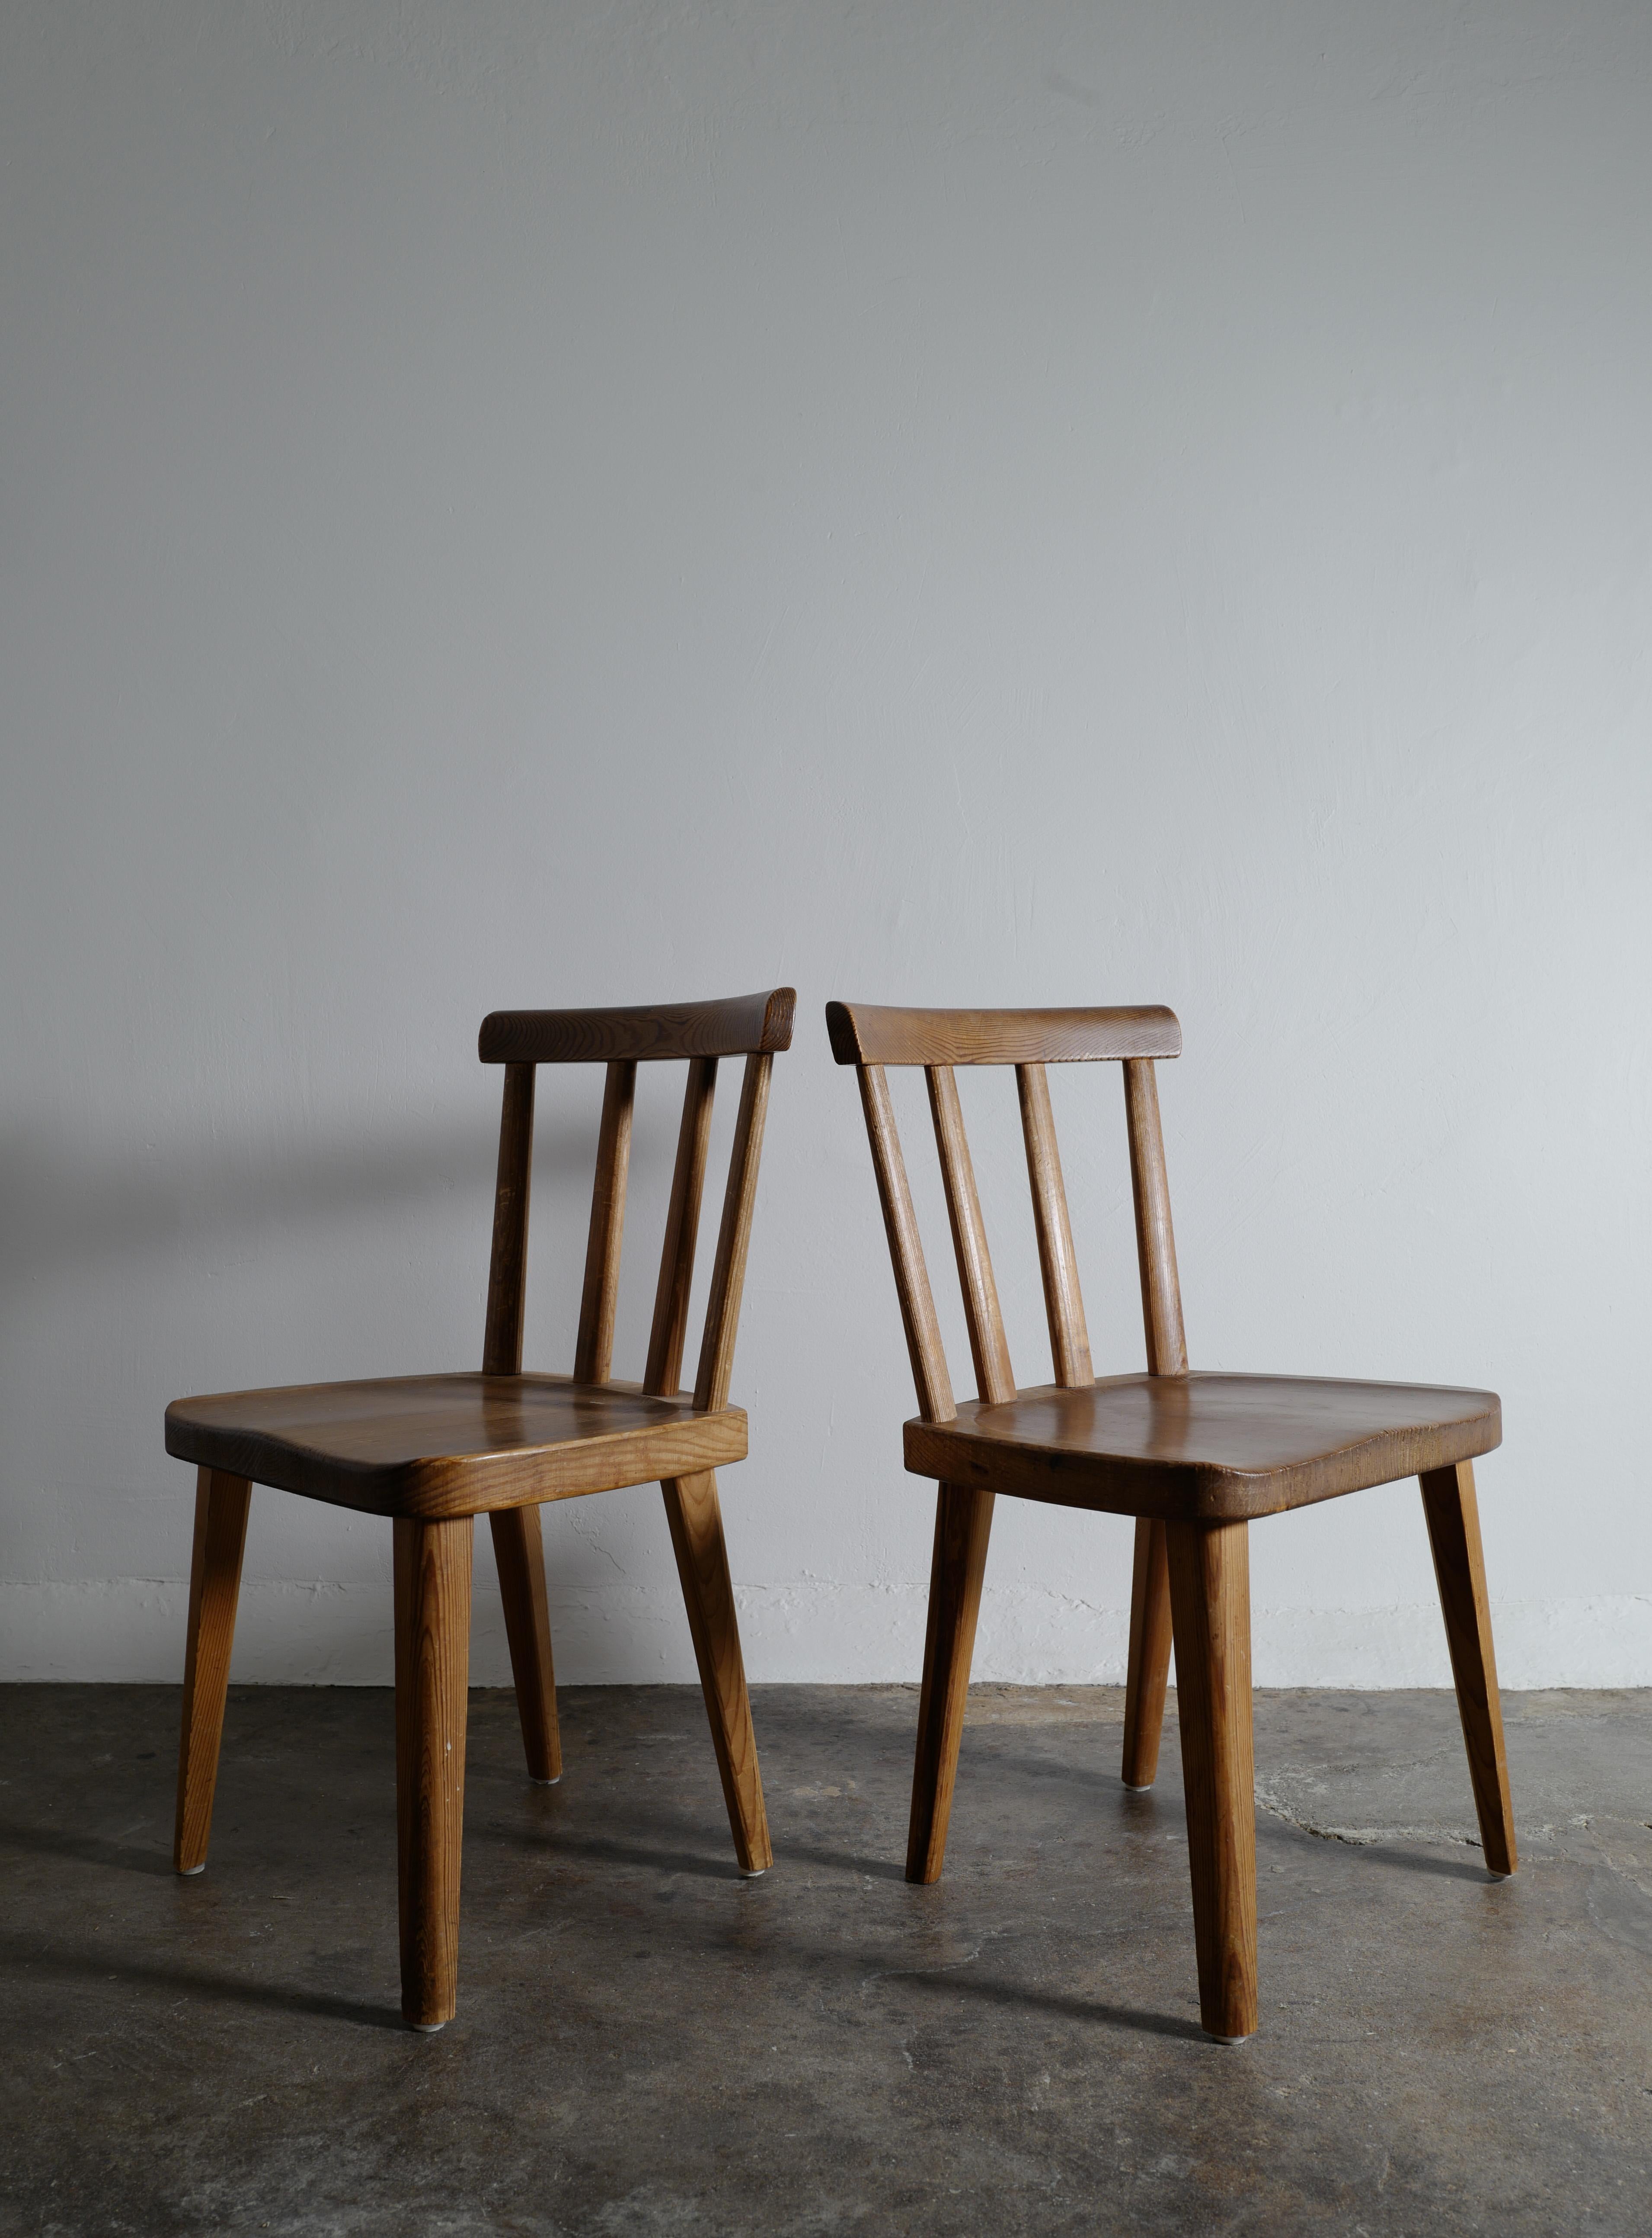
x: 1033, y: 503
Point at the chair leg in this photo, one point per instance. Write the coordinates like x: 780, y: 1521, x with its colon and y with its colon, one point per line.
x: 695, y: 1516
x: 1148, y: 1670
x: 1453, y: 1517
x: 518, y: 1551
x: 432, y: 1668
x: 963, y: 1525
x: 214, y: 1585
x: 1210, y: 1573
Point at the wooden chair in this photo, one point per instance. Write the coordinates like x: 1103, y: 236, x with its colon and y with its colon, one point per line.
x: 432, y: 1451
x: 1193, y: 1457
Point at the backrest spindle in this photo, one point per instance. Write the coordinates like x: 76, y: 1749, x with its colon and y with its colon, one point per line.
x: 734, y: 1237
x: 870, y: 1037
x: 935, y: 1401
x: 501, y: 1351
x: 994, y: 1378
x: 1064, y: 1303
x: 756, y: 1027
x: 1155, y: 1239
x: 682, y: 1229
x: 593, y: 1353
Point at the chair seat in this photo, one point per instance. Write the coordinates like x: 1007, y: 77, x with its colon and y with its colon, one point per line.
x: 1210, y: 1448
x: 435, y: 1446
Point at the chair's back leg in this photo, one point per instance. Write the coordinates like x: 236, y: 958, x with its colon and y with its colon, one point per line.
x: 518, y: 1552
x: 519, y: 1549
x: 1148, y: 1672
x: 214, y: 1585
x: 963, y: 1525
x: 1453, y: 1515
x: 695, y: 1518
x: 1210, y: 1580
x: 431, y: 1671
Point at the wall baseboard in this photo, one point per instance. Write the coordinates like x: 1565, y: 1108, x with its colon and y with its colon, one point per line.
x: 131, y: 1630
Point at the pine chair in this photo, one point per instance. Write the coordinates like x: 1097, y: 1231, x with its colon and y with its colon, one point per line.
x: 1193, y: 1457
x: 432, y: 1451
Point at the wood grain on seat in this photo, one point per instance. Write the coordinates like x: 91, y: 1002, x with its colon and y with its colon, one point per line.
x: 432, y: 1445
x: 1198, y: 1448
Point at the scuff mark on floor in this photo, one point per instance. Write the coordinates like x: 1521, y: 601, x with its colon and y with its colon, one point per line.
x: 1359, y: 1838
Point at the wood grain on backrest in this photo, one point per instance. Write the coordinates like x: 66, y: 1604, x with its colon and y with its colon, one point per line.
x: 735, y: 1028
x: 865, y: 1033
x: 753, y: 1025
x: 870, y: 1037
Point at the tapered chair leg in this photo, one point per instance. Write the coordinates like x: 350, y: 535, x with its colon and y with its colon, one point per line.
x: 1148, y: 1672
x: 215, y: 1584
x: 696, y: 1520
x: 1210, y: 1575
x: 963, y: 1525
x: 432, y: 1670
x: 1453, y: 1516
x: 518, y: 1552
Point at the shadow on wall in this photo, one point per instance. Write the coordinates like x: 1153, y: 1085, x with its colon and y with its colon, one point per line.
x: 59, y: 1212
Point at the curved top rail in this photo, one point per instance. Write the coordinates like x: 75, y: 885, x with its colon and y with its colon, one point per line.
x: 740, y: 1026
x: 868, y: 1033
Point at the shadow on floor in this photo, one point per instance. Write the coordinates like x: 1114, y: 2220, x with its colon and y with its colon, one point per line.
x: 87, y: 1849
x: 195, y: 1982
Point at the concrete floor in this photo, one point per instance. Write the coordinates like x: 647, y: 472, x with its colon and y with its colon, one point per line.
x: 647, y: 2044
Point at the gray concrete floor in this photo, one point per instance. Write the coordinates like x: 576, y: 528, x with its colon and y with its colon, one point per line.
x: 647, y: 2044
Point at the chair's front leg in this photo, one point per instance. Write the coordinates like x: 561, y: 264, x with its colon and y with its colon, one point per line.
x: 432, y: 1670
x: 1209, y: 1570
x: 963, y: 1526
x: 1149, y: 1668
x: 695, y: 1516
x: 1453, y: 1516
x: 214, y: 1585
x: 518, y: 1551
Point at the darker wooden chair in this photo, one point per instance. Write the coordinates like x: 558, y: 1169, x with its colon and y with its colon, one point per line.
x: 1193, y: 1457
x: 432, y: 1451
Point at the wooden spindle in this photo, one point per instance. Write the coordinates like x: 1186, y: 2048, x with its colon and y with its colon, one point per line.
x: 935, y: 1401
x: 994, y: 1378
x: 593, y: 1353
x: 501, y: 1352
x: 1064, y: 1302
x: 682, y: 1229
x: 733, y: 1238
x: 1155, y: 1239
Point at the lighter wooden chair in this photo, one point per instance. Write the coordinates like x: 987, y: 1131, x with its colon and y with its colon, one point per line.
x: 1193, y: 1457
x: 432, y: 1451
